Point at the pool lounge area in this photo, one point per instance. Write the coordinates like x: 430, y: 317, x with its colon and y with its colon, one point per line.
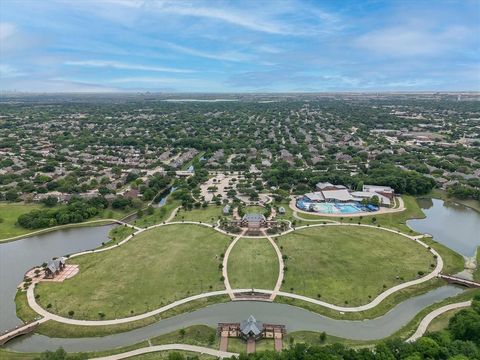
x: 334, y: 207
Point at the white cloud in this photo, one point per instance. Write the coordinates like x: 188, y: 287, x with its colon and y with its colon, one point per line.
x: 6, y: 31
x: 234, y: 56
x: 243, y: 19
x: 126, y: 66
x: 411, y: 41
x: 7, y: 71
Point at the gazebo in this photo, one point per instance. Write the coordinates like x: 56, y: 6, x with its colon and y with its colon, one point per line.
x: 251, y: 328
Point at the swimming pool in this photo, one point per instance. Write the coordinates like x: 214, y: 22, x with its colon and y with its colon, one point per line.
x: 333, y: 208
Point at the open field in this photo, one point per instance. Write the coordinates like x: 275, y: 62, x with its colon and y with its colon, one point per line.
x: 210, y: 214
x: 253, y: 263
x: 9, y: 213
x: 254, y: 209
x: 159, y: 214
x: 349, y: 265
x: 155, y: 268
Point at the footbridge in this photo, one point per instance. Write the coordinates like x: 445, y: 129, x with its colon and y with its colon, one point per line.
x: 457, y: 280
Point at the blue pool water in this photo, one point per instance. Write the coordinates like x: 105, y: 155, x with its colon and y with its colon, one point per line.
x: 334, y: 208
x: 348, y: 208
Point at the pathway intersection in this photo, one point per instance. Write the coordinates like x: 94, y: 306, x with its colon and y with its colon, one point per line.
x: 236, y: 294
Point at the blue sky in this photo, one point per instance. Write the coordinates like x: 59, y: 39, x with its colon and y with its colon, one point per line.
x: 239, y: 46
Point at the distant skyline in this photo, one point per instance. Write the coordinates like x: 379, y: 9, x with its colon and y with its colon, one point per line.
x: 239, y: 46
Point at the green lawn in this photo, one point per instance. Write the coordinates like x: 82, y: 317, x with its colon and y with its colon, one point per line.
x: 397, y: 221
x: 9, y: 213
x: 155, y: 268
x: 210, y: 214
x: 349, y: 265
x: 253, y: 263
x: 240, y: 346
x: 159, y: 214
x: 254, y: 210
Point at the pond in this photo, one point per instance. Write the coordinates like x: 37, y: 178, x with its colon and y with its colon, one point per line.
x: 453, y: 225
x: 16, y: 257
x: 294, y: 318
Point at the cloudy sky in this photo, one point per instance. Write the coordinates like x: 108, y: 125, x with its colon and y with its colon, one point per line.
x: 239, y: 46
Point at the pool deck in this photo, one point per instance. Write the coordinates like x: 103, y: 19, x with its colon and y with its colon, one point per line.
x: 382, y: 210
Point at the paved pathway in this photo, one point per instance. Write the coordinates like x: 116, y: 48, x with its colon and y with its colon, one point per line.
x: 296, y: 216
x: 49, y: 316
x: 423, y: 326
x: 225, y: 266
x: 6, y: 336
x: 281, y: 266
x: 229, y: 291
x: 178, y: 347
x: 172, y: 215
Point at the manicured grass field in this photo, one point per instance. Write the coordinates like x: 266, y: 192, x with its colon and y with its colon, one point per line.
x: 9, y: 213
x: 209, y: 214
x: 155, y: 268
x: 254, y: 210
x: 253, y: 263
x: 348, y: 265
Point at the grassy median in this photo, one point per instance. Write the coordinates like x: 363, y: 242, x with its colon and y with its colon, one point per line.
x: 253, y: 263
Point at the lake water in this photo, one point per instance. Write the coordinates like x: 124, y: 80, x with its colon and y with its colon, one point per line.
x: 16, y: 257
x: 292, y: 317
x: 453, y: 225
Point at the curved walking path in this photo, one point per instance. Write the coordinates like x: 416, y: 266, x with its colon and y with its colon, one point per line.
x: 281, y: 267
x: 181, y: 347
x: 225, y: 266
x: 296, y: 216
x: 173, y: 214
x: 231, y: 292
x: 423, y: 326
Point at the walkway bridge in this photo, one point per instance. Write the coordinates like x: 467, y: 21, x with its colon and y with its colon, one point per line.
x: 460, y: 281
x: 19, y: 330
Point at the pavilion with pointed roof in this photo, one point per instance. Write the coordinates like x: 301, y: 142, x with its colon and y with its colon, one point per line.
x: 251, y: 328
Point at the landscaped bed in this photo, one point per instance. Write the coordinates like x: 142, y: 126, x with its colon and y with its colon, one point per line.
x: 153, y: 269
x: 253, y: 263
x: 349, y: 265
